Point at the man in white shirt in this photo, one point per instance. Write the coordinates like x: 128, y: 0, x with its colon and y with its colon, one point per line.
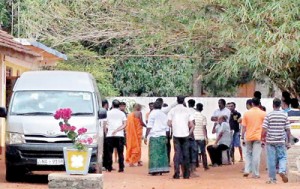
x: 114, y: 126
x: 223, y: 141
x: 156, y: 130
x: 222, y: 111
x: 166, y: 109
x: 182, y: 123
x: 200, y: 134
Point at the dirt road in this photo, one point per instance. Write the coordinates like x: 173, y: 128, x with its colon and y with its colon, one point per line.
x: 227, y: 177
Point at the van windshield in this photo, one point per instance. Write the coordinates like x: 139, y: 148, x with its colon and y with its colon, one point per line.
x: 47, y: 102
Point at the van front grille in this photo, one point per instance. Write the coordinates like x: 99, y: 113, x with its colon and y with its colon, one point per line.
x: 42, y: 141
x: 47, y: 139
x: 41, y: 154
x: 43, y: 136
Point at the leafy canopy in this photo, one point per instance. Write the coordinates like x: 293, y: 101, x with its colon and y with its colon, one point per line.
x: 226, y: 42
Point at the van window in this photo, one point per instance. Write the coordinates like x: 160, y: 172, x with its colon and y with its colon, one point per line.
x: 30, y: 102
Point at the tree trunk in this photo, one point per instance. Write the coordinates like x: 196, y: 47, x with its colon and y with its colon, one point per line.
x: 197, y: 84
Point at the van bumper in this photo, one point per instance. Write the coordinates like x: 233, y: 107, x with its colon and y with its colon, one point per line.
x: 25, y: 156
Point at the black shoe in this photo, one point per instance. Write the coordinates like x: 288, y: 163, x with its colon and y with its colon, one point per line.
x: 186, y: 175
x: 121, y: 171
x: 175, y: 176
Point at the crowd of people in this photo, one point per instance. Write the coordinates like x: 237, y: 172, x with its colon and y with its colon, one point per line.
x: 185, y: 124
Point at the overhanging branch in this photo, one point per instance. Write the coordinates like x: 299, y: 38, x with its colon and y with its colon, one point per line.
x: 149, y: 55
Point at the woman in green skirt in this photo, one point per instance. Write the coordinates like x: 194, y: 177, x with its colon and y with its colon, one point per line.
x: 156, y: 131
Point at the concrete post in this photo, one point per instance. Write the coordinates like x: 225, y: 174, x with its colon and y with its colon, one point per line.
x: 293, y: 154
x: 65, y: 181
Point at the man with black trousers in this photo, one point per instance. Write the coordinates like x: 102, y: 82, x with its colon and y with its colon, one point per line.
x: 182, y: 122
x: 114, y: 126
x: 103, y: 113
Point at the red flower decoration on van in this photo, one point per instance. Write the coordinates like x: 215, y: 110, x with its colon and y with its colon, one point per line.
x: 78, y: 138
x: 64, y: 114
x: 82, y: 131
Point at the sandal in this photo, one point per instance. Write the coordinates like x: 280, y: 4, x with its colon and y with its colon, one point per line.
x: 285, y: 179
x: 131, y: 165
x: 140, y: 163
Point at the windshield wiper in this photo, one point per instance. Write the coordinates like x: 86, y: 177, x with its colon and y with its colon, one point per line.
x: 35, y: 113
x: 82, y: 113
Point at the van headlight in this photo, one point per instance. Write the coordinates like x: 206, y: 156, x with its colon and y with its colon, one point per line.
x: 15, y: 138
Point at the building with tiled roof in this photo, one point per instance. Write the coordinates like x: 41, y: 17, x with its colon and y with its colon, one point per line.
x: 18, y: 56
x: 9, y: 47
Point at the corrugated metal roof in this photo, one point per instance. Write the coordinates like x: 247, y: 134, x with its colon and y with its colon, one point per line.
x: 34, y: 43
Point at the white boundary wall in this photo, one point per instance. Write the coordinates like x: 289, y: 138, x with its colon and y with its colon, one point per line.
x: 210, y: 104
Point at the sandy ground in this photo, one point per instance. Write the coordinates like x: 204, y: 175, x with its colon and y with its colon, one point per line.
x: 227, y: 177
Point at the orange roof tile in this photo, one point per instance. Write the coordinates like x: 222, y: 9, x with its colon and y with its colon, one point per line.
x: 7, y: 41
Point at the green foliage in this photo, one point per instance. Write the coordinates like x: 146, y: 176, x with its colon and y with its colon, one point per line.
x: 82, y: 59
x: 4, y: 14
x: 157, y: 28
x: 129, y: 104
x: 157, y: 45
x: 153, y: 76
x: 266, y: 37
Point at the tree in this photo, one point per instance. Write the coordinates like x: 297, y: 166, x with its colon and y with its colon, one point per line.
x: 130, y: 29
x: 152, y: 76
x: 82, y: 59
x: 228, y: 42
x: 4, y: 14
x: 265, y: 36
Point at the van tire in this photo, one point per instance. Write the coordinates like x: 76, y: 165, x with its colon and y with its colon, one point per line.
x: 14, y: 174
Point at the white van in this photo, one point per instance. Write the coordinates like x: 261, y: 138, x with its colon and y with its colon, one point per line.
x: 33, y: 138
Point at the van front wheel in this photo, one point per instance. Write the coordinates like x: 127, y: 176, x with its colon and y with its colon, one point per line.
x: 14, y: 174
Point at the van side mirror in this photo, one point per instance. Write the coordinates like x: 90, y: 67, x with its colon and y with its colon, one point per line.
x: 3, y: 112
x: 102, y: 114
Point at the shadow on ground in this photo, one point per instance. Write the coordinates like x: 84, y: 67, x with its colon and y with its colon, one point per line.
x: 35, y: 178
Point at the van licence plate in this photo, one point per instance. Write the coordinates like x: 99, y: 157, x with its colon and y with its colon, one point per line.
x: 50, y: 161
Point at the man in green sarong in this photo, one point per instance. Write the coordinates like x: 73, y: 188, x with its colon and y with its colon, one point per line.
x: 156, y: 131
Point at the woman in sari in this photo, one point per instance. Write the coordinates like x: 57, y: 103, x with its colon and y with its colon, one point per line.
x: 156, y: 130
x: 134, y: 134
